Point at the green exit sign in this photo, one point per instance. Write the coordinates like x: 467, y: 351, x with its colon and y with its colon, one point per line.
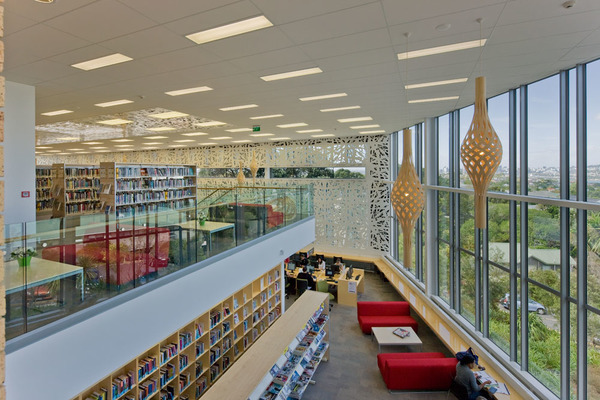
x: 256, y: 128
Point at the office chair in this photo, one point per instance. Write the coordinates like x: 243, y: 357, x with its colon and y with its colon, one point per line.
x: 290, y: 286
x: 458, y: 390
x: 301, y: 286
x: 323, y: 286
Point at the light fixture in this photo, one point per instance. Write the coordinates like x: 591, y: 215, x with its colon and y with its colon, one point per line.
x: 437, y: 83
x: 155, y: 137
x: 310, y: 131
x: 149, y: 148
x: 178, y: 145
x: 82, y: 152
x: 57, y: 112
x: 238, y: 130
x: 279, y: 138
x: 293, y: 125
x: 101, y: 62
x: 75, y: 149
x: 433, y: 99
x: 207, y: 144
x: 357, y: 119
x: 43, y: 147
x: 364, y: 126
x: 241, y: 141
x: 267, y: 116
x: 116, y: 121
x: 195, y: 134
x: 161, y: 129
x: 240, y: 176
x: 340, y: 109
x: 369, y: 132
x: 169, y: 114
x: 239, y: 107
x: 323, y: 135
x: 113, y: 103
x: 253, y: 167
x: 152, y: 143
x: 441, y: 49
x: 324, y: 96
x: 210, y: 123
x: 233, y: 29
x: 92, y: 143
x: 98, y: 147
x: 54, y: 151
x: 291, y: 74
x: 261, y: 134
x: 45, y: 1
x: 221, y: 137
x: 181, y: 92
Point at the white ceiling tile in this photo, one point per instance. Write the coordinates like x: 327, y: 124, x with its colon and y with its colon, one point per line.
x: 251, y: 43
x: 42, y: 12
x: 282, y: 12
x: 164, y: 11
x: 148, y: 42
x: 357, y: 59
x: 518, y: 11
x: 40, y: 71
x: 374, y: 39
x: 398, y: 12
x: 182, y: 59
x: 41, y: 41
x: 276, y: 58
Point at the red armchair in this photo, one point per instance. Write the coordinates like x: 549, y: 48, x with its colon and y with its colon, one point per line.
x: 384, y: 313
x: 417, y: 371
x: 274, y: 218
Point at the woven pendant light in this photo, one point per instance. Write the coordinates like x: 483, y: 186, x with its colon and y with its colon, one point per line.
x: 253, y: 168
x: 481, y: 152
x: 408, y: 198
x: 240, y: 176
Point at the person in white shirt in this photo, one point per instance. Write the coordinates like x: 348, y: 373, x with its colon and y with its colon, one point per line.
x: 321, y: 264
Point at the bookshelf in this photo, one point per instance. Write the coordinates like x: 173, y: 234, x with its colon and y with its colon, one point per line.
x: 287, y: 355
x: 74, y: 189
x: 43, y: 191
x: 129, y: 188
x: 188, y: 362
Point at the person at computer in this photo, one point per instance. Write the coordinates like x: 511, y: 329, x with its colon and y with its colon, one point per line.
x: 303, y: 260
x: 305, y: 275
x: 321, y: 264
x: 466, y: 377
x: 339, y: 267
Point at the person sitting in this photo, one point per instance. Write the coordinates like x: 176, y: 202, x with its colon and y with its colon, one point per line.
x: 338, y: 266
x: 466, y: 377
x: 303, y: 260
x: 305, y: 275
x: 321, y: 264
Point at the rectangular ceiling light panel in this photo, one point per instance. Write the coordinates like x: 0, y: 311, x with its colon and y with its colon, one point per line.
x: 340, y: 109
x: 233, y: 29
x: 267, y: 116
x: 291, y: 74
x: 210, y: 123
x: 442, y: 49
x: 324, y: 96
x: 101, y: 62
x: 261, y: 134
x: 57, y: 112
x: 239, y: 130
x: 113, y: 103
x: 437, y: 83
x: 117, y: 121
x: 239, y: 107
x: 357, y: 119
x: 181, y: 92
x: 169, y: 114
x: 294, y: 125
x: 433, y: 99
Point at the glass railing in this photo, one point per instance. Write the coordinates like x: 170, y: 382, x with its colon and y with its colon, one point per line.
x: 56, y: 267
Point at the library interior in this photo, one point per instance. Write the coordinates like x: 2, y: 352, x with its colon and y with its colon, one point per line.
x: 260, y: 199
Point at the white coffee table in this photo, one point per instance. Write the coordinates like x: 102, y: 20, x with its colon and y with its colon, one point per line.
x: 385, y: 337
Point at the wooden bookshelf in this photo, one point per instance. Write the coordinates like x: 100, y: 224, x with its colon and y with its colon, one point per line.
x: 277, y: 354
x: 43, y: 191
x: 140, y: 188
x: 75, y: 189
x: 188, y: 362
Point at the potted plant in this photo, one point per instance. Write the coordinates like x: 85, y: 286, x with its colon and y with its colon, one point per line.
x: 23, y: 256
x: 201, y: 217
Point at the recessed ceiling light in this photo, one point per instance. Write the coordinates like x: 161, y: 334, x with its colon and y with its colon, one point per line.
x: 39, y: 152
x: 181, y: 92
x: 261, y: 134
x: 210, y: 123
x: 105, y: 61
x: 324, y: 96
x: 169, y: 114
x: 63, y: 154
x: 238, y: 130
x: 241, y: 141
x: 442, y: 49
x: 151, y: 143
x: 438, y: 83
x: 340, y: 108
x: 443, y: 27
x: 221, y: 137
x: 233, y: 29
x: 194, y: 134
x: 279, y: 138
x: 267, y: 116
x: 291, y: 74
x: 356, y: 119
x: 75, y: 149
x: 367, y: 132
x: 45, y: 1
x: 364, y: 126
x: 310, y: 131
x: 102, y: 151
x: 122, y: 140
x: 66, y: 138
x: 116, y: 121
x: 92, y: 143
x: 113, y: 103
x: 43, y: 147
x: 207, y: 144
x: 432, y: 99
x: 57, y: 112
x: 239, y: 107
x: 54, y: 151
x: 123, y: 145
x: 149, y: 148
x: 161, y: 129
x: 98, y: 148
x: 155, y: 137
x: 294, y: 125
x: 178, y: 145
x: 324, y: 135
x: 184, y: 140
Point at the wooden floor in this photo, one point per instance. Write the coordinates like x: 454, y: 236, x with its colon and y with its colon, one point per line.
x: 352, y: 373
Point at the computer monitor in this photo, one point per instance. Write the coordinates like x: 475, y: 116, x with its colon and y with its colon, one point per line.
x: 335, y: 269
x: 291, y: 267
x: 310, y: 269
x: 329, y: 272
x: 349, y: 272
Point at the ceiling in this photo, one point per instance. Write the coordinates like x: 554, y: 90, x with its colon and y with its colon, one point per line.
x: 354, y: 42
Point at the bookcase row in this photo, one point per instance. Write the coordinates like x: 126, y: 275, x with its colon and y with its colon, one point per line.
x: 74, y: 189
x: 188, y: 362
x: 43, y: 190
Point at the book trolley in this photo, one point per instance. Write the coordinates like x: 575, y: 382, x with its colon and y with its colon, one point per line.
x: 281, y: 363
x: 186, y: 364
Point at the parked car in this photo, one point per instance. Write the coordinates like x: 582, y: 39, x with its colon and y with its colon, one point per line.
x: 532, y: 305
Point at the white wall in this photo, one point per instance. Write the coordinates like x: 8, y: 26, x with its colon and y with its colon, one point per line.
x: 19, y: 153
x: 65, y: 364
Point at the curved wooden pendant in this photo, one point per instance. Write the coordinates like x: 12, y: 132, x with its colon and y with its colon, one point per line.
x: 240, y: 176
x: 408, y: 197
x: 253, y: 168
x: 481, y: 152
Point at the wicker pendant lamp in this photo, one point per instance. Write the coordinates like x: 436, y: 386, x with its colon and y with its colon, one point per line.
x: 408, y: 197
x: 481, y: 152
x: 240, y: 176
x: 253, y: 168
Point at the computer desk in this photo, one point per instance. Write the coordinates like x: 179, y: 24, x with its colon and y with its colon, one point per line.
x: 348, y: 289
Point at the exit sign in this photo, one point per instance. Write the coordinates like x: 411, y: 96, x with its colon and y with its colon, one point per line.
x: 256, y: 128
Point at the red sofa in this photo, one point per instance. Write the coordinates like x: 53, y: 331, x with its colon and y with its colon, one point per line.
x: 417, y: 371
x: 384, y: 313
x: 274, y: 218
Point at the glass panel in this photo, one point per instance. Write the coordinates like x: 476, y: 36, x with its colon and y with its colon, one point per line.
x: 499, y: 287
x: 573, y: 354
x: 544, y: 245
x: 544, y: 338
x: 544, y: 138
x: 444, y: 215
x: 498, y: 112
x: 593, y: 356
x: 593, y: 279
x: 467, y: 222
x: 467, y: 286
x: 466, y: 116
x: 444, y: 150
x: 444, y: 271
x: 573, y: 135
x: 593, y: 130
x: 499, y: 231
